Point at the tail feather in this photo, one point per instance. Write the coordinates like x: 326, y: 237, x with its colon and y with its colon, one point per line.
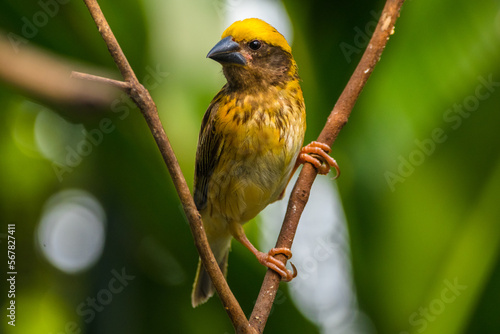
x: 203, y: 288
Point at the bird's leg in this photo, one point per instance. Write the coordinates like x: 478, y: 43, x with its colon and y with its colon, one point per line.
x: 313, y: 153
x: 268, y: 259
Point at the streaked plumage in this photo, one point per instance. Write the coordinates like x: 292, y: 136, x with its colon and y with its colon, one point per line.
x: 250, y: 138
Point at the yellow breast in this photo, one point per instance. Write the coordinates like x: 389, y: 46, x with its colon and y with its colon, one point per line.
x: 262, y: 139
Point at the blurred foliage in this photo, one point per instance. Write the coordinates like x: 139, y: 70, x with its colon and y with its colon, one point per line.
x: 420, y: 179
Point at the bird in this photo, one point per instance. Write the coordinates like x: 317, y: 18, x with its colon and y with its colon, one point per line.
x: 250, y: 143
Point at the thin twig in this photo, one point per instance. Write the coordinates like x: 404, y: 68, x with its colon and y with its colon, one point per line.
x: 123, y: 85
x: 142, y: 98
x: 336, y: 120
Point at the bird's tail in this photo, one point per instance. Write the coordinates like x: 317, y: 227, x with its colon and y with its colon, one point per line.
x: 203, y: 288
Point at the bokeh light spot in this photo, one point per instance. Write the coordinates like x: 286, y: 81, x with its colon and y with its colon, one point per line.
x: 71, y: 232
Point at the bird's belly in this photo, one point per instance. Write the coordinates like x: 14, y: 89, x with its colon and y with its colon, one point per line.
x: 243, y: 190
x: 254, y: 176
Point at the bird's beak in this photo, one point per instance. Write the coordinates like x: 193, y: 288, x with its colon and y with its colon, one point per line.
x: 227, y: 52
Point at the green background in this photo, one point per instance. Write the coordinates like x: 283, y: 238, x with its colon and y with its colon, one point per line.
x: 420, y: 160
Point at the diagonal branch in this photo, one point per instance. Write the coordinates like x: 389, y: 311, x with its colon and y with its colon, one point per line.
x: 336, y: 120
x: 113, y: 47
x: 142, y: 98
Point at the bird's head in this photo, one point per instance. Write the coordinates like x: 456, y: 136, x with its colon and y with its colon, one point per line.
x: 254, y: 54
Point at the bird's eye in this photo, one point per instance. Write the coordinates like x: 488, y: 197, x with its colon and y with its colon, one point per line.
x: 255, y: 44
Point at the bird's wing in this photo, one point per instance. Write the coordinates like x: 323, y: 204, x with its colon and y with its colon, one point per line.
x: 210, y: 145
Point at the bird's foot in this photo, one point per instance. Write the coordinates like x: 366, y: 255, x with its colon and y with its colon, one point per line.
x: 273, y: 263
x: 316, y: 153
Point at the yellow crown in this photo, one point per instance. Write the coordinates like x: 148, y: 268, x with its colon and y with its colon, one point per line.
x: 250, y: 29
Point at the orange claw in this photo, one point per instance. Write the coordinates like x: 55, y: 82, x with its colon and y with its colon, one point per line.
x: 271, y: 262
x: 268, y: 259
x: 321, y: 150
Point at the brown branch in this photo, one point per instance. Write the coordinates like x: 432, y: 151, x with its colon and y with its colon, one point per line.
x: 113, y: 47
x: 142, y: 98
x: 336, y: 120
